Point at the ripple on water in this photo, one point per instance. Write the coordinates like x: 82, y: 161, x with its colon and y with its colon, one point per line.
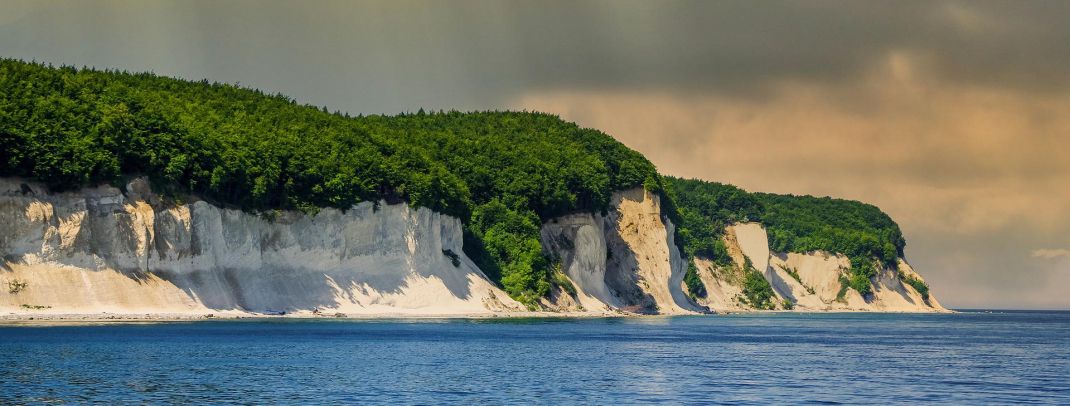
x: 969, y: 358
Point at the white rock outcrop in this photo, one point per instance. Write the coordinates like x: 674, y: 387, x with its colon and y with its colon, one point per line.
x: 100, y: 250
x: 626, y: 259
x: 818, y: 284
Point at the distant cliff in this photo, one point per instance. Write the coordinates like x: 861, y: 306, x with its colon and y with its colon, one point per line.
x: 766, y: 251
x: 812, y: 281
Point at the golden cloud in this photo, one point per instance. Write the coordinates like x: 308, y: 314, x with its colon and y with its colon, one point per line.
x: 981, y: 172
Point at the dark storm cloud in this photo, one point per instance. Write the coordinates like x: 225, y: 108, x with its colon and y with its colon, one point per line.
x: 399, y: 55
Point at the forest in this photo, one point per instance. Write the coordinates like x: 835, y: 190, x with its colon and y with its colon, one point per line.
x: 502, y: 173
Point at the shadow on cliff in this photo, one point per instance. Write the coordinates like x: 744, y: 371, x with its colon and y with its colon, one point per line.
x: 293, y: 288
x: 111, y: 237
x: 622, y: 268
x: 888, y: 278
x: 272, y: 290
x: 779, y: 284
x: 107, y: 235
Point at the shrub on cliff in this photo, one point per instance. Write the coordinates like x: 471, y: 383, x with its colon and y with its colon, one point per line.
x: 917, y: 284
x: 695, y: 288
x: 757, y: 290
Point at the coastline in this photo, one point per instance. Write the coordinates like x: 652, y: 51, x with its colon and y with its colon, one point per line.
x: 10, y: 319
x: 44, y: 319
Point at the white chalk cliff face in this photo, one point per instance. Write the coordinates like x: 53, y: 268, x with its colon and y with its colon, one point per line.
x: 818, y: 284
x: 624, y: 260
x: 628, y: 260
x: 99, y: 250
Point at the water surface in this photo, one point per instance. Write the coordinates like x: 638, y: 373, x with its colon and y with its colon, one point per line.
x: 966, y: 358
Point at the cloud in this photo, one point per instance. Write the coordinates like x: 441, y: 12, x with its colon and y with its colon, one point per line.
x: 941, y: 158
x: 389, y: 56
x: 1051, y: 253
x: 974, y: 174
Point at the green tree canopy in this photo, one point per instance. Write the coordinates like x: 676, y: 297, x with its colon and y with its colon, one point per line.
x: 500, y: 172
x: 860, y: 231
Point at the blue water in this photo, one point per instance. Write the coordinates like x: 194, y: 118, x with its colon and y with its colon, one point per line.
x: 965, y: 358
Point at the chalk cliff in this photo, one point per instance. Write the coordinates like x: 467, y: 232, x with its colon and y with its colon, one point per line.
x: 103, y: 249
x: 626, y: 259
x: 809, y: 281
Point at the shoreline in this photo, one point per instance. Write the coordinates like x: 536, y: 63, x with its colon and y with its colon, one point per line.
x: 13, y: 319
x: 41, y: 319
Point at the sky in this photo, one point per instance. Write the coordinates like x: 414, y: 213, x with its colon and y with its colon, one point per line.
x: 952, y: 116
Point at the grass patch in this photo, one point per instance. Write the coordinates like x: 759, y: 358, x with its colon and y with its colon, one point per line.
x: 758, y: 292
x: 918, y: 285
x: 861, y: 284
x: 695, y: 288
x: 863, y: 269
x: 845, y: 284
x: 791, y: 271
x: 794, y: 273
x: 561, y: 280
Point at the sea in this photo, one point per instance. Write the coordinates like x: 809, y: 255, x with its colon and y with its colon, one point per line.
x: 970, y: 358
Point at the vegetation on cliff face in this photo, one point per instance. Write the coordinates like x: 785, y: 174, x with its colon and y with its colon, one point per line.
x: 695, y: 288
x: 795, y: 224
x: 917, y: 284
x: 501, y: 172
x: 757, y: 291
